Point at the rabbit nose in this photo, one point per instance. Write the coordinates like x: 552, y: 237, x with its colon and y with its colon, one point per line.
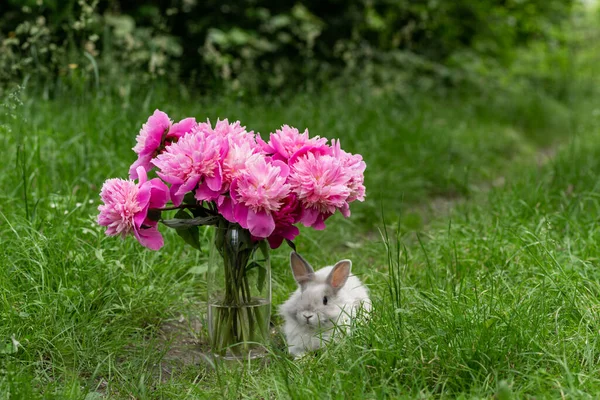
x: 307, y: 316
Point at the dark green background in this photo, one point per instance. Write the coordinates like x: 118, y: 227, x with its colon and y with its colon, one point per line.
x: 268, y: 44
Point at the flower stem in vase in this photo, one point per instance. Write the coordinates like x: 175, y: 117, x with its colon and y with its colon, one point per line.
x: 237, y: 327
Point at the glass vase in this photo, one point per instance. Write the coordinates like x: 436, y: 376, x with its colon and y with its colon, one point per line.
x: 239, y: 293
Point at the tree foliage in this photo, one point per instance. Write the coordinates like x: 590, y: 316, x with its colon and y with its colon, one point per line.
x: 264, y: 42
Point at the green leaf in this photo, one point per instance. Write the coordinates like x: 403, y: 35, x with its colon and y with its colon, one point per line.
x: 201, y: 212
x: 189, y: 233
x: 262, y: 276
x: 183, y: 214
x: 490, y: 322
x: 291, y: 244
x: 253, y: 264
x: 219, y: 238
x: 280, y: 21
x: 180, y: 222
x: 245, y: 239
x: 264, y: 249
x: 217, y: 36
x: 154, y: 215
x: 239, y: 36
x: 99, y: 256
x: 189, y: 198
x: 262, y: 273
x: 191, y: 236
x: 374, y: 20
x: 198, y: 270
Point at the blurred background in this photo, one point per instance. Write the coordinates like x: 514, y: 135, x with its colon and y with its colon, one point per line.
x: 260, y: 46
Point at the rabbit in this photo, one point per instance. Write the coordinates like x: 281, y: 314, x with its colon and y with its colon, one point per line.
x: 326, y: 299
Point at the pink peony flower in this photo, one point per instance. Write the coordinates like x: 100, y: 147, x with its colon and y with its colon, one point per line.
x: 240, y: 146
x: 321, y: 184
x: 286, y: 144
x: 256, y: 194
x: 355, y: 167
x: 193, y: 163
x: 234, y: 130
x: 125, y: 208
x: 289, y: 214
x: 234, y: 162
x: 156, y: 134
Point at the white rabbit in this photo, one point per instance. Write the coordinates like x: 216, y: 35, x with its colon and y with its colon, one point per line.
x: 325, y: 300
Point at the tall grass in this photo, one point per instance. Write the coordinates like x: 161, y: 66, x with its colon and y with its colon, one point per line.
x: 490, y: 296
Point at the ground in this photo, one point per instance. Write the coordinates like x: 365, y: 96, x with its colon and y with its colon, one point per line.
x: 478, y: 241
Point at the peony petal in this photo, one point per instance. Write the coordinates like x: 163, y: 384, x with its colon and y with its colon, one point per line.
x: 150, y: 238
x: 275, y: 241
x: 182, y: 127
x: 154, y: 129
x: 176, y: 198
x: 216, y: 181
x: 142, y: 162
x: 309, y: 216
x: 279, y: 157
x: 260, y: 223
x: 233, y: 190
x: 150, y: 223
x: 142, y: 175
x: 264, y: 146
x: 102, y: 218
x: 225, y: 208
x: 203, y: 193
x: 319, y: 224
x: 283, y: 168
x: 279, y: 148
x: 173, y: 180
x: 322, y: 150
x: 345, y: 210
x: 159, y: 193
x: 290, y: 232
x: 240, y: 214
x: 190, y: 184
x: 159, y: 119
x: 143, y: 198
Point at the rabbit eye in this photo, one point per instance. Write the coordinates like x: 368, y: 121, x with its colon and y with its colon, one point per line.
x: 325, y: 300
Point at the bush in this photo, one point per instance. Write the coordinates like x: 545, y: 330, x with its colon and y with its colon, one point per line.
x: 261, y: 44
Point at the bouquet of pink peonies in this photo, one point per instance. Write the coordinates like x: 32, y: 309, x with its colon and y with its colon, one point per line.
x: 265, y: 187
x: 247, y: 188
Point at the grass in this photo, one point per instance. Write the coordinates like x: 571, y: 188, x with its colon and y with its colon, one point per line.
x: 496, y: 297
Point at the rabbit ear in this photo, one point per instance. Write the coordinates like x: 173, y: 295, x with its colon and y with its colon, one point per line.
x: 339, y: 274
x: 302, y: 270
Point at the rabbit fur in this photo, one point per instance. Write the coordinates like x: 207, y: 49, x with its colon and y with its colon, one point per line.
x: 325, y: 301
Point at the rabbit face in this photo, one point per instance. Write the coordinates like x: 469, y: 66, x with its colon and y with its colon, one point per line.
x: 315, y: 304
x: 317, y: 307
